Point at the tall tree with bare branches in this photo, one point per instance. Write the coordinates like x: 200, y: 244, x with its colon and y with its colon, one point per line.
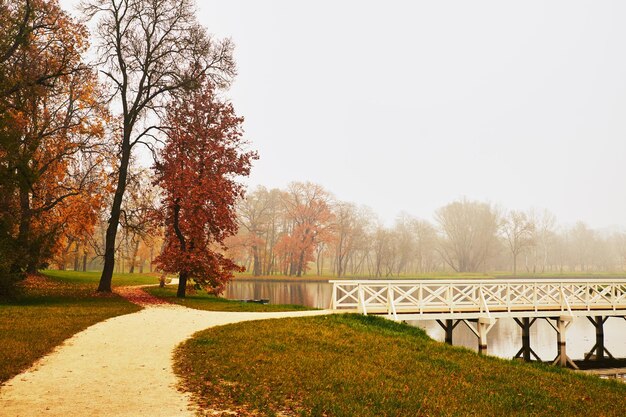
x: 469, y: 234
x: 518, y: 232
x: 150, y: 50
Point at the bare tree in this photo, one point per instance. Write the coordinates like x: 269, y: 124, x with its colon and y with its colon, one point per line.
x: 253, y: 216
x: 346, y: 225
x: 544, y: 234
x: 425, y: 246
x: 149, y: 50
x: 404, y: 239
x: 469, y: 234
x: 518, y: 231
x: 582, y: 240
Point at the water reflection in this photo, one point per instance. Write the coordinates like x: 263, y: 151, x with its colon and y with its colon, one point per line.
x: 504, y: 339
x: 310, y: 294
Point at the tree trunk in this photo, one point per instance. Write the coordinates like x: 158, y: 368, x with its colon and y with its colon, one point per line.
x: 23, y: 232
x: 114, y: 220
x: 182, y: 285
x: 84, y: 261
x: 133, y: 257
x: 76, y: 257
x: 182, y: 276
x: 300, y: 264
x: 256, y: 271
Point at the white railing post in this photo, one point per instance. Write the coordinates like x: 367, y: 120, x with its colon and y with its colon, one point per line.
x: 333, y: 301
x: 362, y: 300
x: 391, y: 299
x: 613, y: 296
x: 564, y: 301
x: 420, y: 299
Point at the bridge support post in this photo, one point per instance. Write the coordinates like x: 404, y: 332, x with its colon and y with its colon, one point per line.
x: 526, y: 352
x: 482, y: 337
x: 483, y: 325
x: 562, y: 323
x: 598, y: 350
x: 561, y: 342
x: 448, y: 326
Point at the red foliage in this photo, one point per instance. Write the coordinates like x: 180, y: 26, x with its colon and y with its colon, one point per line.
x: 308, y: 208
x: 198, y: 172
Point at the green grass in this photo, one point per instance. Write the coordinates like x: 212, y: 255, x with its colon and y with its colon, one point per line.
x: 203, y: 301
x: 48, y: 311
x: 93, y: 277
x: 350, y: 365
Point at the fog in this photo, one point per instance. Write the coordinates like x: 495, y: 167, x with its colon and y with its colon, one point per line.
x: 406, y: 106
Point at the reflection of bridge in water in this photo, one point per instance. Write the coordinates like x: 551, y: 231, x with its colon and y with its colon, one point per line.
x: 480, y: 303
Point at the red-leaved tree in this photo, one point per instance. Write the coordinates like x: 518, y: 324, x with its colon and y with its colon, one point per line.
x: 198, y: 172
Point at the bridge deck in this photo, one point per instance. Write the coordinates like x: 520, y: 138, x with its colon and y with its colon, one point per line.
x: 471, y: 299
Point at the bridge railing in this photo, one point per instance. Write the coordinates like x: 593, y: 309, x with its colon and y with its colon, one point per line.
x: 482, y: 296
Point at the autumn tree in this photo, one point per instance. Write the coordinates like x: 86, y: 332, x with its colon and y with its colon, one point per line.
x: 150, y: 51
x: 197, y: 171
x: 52, y: 122
x: 307, y: 207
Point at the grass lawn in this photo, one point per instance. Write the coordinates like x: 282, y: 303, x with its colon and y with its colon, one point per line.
x: 352, y: 365
x: 93, y: 277
x: 203, y: 301
x: 50, y: 310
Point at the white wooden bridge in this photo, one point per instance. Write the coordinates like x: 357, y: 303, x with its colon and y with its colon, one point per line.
x: 479, y: 303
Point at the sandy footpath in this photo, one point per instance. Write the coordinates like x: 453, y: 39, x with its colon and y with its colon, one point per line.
x: 119, y: 367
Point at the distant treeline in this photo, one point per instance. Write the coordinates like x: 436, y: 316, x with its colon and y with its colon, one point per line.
x: 304, y: 229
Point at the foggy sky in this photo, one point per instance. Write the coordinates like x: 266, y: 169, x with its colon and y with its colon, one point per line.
x: 406, y: 107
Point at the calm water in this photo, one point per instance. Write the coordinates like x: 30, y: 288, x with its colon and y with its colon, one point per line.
x: 504, y: 339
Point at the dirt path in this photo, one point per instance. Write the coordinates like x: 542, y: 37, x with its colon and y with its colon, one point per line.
x: 119, y: 367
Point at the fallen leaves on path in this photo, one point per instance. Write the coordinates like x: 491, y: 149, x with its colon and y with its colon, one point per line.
x: 138, y: 296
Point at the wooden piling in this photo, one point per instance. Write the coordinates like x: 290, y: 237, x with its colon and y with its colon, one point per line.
x: 562, y: 323
x: 599, y: 351
x: 448, y: 327
x: 526, y: 352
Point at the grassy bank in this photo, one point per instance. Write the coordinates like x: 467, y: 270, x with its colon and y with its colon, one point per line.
x: 349, y: 365
x: 93, y: 277
x: 203, y: 301
x: 48, y: 311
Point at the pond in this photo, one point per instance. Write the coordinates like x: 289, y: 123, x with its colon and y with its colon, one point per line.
x: 504, y: 339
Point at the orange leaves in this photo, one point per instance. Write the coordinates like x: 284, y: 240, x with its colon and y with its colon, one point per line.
x: 51, y: 103
x: 308, y: 209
